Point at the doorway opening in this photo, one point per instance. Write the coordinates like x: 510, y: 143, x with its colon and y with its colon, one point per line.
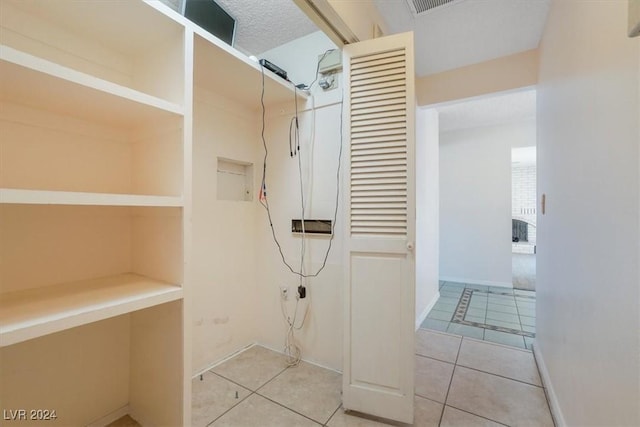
x: 523, y: 217
x: 487, y: 156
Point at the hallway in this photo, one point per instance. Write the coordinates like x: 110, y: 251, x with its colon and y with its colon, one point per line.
x: 500, y: 315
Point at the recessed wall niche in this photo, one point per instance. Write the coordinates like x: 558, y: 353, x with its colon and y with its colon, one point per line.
x: 235, y: 180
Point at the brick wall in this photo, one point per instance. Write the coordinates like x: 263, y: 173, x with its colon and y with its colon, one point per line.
x: 523, y: 199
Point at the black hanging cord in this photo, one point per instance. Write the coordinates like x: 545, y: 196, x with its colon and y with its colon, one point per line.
x: 264, y: 201
x: 291, y: 146
x: 294, y: 128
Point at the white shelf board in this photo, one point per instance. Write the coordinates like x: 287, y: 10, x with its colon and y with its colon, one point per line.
x: 39, y: 83
x: 42, y: 197
x: 131, y: 27
x: 224, y: 70
x: 37, y: 312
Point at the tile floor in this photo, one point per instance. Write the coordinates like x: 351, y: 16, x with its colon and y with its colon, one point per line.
x: 500, y: 315
x: 459, y: 382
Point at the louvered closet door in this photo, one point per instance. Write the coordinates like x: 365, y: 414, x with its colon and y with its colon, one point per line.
x: 380, y: 266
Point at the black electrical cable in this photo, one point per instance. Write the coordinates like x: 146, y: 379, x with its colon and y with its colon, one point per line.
x: 294, y: 132
x: 265, y: 202
x: 291, y: 147
x: 295, y: 100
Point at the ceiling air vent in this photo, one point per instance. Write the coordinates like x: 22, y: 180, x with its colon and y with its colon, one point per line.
x: 424, y: 6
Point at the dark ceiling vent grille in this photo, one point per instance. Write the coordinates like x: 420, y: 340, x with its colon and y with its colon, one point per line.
x: 422, y: 6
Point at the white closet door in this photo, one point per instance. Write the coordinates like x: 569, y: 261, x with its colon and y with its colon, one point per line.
x: 380, y: 265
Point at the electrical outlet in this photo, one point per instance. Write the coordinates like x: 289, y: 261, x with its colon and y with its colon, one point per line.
x: 284, y: 292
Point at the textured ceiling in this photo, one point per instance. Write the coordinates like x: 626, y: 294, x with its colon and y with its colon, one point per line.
x: 467, y: 31
x: 494, y: 110
x: 264, y: 24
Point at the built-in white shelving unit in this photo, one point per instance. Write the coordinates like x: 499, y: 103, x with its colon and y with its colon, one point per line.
x: 96, y: 118
x: 216, y: 64
x: 36, y: 312
x: 33, y: 81
x: 39, y: 197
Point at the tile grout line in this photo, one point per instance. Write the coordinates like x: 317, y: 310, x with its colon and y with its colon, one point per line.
x: 225, y: 412
x: 446, y: 397
x: 294, y: 411
x: 244, y: 386
x: 479, y: 416
x: 433, y: 358
x: 520, y: 322
x: 235, y: 404
x: 486, y: 312
x: 225, y: 359
x: 252, y: 392
x: 521, y: 316
x: 465, y: 305
x: 500, y: 328
x: 499, y: 376
x: 276, y: 376
x: 286, y: 407
x: 334, y: 413
x: 256, y: 392
x: 231, y: 381
x: 480, y: 370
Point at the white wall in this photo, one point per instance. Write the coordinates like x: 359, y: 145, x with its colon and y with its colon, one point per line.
x: 299, y: 58
x: 82, y: 373
x: 321, y: 336
x: 427, y: 210
x: 224, y: 232
x: 588, y: 279
x: 237, y: 270
x: 475, y: 202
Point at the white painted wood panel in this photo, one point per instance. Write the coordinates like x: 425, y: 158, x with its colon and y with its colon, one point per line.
x: 222, y: 70
x: 44, y: 245
x: 370, y: 297
x: 128, y: 43
x: 43, y: 197
x: 82, y: 373
x: 46, y: 150
x: 95, y: 187
x: 29, y: 80
x: 380, y: 265
x: 33, y: 313
x: 156, y: 377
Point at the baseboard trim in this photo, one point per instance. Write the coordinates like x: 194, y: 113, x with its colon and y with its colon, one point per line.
x: 476, y: 282
x: 224, y: 359
x: 247, y: 347
x: 310, y: 361
x: 554, y: 405
x: 109, y: 418
x: 427, y: 309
